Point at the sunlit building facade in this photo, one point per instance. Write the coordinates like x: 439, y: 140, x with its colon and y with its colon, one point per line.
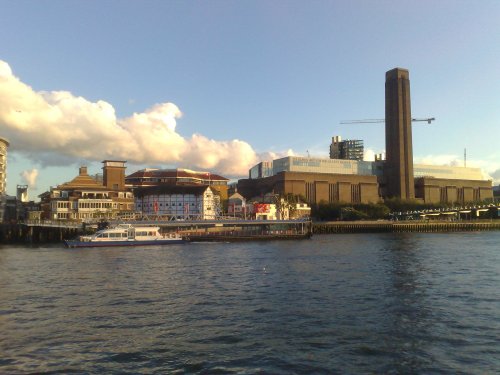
x: 84, y: 198
x: 180, y: 177
x: 178, y: 202
x: 4, y: 144
x: 352, y: 181
x: 321, y: 165
x: 357, y: 181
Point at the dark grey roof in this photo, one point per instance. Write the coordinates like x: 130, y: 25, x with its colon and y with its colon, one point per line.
x: 171, y: 189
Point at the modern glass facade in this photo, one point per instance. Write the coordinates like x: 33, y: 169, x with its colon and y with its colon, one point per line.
x: 447, y: 172
x: 317, y: 165
x: 355, y: 167
x: 261, y: 170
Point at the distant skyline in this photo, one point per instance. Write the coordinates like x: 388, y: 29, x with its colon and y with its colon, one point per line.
x: 221, y: 85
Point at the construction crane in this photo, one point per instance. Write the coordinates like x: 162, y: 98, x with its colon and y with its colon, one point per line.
x: 376, y: 120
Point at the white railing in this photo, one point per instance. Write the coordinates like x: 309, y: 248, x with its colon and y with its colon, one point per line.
x: 53, y: 223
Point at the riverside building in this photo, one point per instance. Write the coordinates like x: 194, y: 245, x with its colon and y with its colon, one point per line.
x: 356, y: 181
x: 350, y: 181
x: 178, y: 202
x: 4, y: 144
x: 86, y: 198
x: 177, y: 177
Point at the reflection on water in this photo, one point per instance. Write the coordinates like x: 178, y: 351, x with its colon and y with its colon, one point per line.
x: 374, y: 303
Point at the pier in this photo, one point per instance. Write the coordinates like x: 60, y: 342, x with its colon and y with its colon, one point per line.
x: 195, y: 230
x: 241, y: 230
x: 402, y: 226
x: 19, y: 232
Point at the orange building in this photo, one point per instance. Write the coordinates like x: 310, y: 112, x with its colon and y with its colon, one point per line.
x: 84, y: 197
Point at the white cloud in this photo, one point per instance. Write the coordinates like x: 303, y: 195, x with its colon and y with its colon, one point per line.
x: 369, y: 154
x: 271, y: 155
x: 56, y: 127
x: 29, y: 177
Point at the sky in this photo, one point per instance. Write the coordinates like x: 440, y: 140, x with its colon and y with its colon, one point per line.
x: 222, y: 85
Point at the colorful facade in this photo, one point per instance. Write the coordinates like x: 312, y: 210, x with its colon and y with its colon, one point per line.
x: 178, y: 202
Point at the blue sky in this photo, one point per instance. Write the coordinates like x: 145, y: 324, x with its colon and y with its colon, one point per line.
x: 253, y: 79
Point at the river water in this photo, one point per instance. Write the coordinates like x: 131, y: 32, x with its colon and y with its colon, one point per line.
x: 361, y: 303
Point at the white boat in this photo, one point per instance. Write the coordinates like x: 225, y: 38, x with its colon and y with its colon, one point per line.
x: 126, y: 235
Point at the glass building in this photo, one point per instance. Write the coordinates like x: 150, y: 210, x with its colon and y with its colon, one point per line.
x: 355, y: 167
x: 447, y: 172
x: 350, y: 149
x: 319, y: 165
x: 261, y: 170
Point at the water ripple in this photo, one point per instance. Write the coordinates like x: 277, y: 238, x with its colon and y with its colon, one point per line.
x: 377, y: 303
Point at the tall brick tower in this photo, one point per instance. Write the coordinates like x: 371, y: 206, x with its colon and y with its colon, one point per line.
x: 114, y: 174
x: 398, y: 140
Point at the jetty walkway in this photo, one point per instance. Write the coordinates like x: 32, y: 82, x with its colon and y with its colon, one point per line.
x: 403, y: 226
x: 241, y: 230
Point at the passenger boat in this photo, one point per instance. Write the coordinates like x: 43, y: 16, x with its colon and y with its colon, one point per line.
x: 126, y: 235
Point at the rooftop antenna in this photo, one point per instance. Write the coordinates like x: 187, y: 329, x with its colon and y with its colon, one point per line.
x: 465, y: 157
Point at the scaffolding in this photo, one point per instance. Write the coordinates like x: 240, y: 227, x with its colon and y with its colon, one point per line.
x: 349, y: 149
